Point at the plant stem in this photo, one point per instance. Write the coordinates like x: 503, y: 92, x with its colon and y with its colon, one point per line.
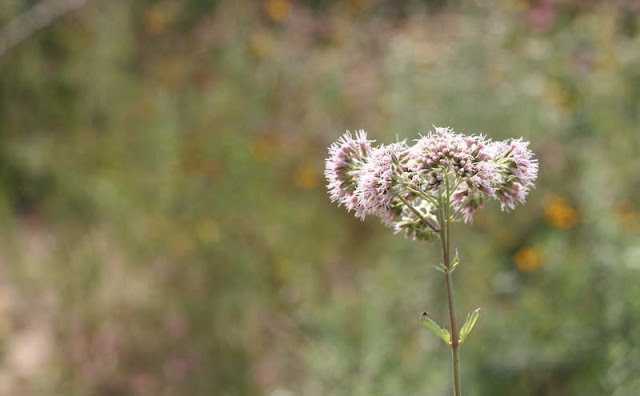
x: 420, y: 216
x: 446, y: 255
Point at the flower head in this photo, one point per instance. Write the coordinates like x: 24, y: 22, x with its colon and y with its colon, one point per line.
x: 516, y: 171
x: 466, y: 199
x: 346, y: 157
x: 460, y: 160
x: 448, y: 153
x: 378, y: 179
x: 408, y: 187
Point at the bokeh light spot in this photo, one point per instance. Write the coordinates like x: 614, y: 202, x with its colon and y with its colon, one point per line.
x: 307, y: 177
x: 277, y: 10
x: 559, y: 213
x: 527, y: 259
x: 155, y: 21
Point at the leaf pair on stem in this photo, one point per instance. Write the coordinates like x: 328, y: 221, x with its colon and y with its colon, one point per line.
x: 443, y: 333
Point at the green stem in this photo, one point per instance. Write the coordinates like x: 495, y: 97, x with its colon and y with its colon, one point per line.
x: 445, y: 224
x: 420, y: 216
x: 422, y: 195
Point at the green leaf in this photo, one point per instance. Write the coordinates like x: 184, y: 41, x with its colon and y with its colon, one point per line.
x: 455, y: 261
x: 472, y: 318
x: 440, y: 267
x: 433, y: 326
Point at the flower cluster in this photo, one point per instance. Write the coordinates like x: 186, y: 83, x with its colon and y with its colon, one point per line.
x: 409, y: 187
x: 377, y: 184
x: 346, y: 157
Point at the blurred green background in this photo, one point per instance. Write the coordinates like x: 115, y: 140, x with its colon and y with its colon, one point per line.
x: 165, y: 228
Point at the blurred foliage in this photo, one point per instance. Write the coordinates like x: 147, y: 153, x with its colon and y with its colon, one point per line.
x: 166, y: 231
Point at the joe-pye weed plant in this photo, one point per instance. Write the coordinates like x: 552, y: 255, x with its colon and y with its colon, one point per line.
x: 420, y: 189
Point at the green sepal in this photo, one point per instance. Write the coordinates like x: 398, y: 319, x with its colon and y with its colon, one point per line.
x: 472, y: 318
x: 433, y: 326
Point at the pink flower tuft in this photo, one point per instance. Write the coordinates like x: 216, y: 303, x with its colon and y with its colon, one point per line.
x: 346, y: 157
x: 517, y: 171
x: 378, y: 179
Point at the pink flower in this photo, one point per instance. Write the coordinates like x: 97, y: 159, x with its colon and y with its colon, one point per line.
x: 378, y: 179
x: 517, y: 170
x: 447, y: 152
x: 462, y: 159
x: 466, y: 199
x: 407, y: 186
x: 346, y: 157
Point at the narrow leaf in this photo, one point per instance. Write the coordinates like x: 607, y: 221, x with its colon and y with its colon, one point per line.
x: 455, y: 261
x: 440, y: 267
x: 472, y: 318
x: 433, y: 326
